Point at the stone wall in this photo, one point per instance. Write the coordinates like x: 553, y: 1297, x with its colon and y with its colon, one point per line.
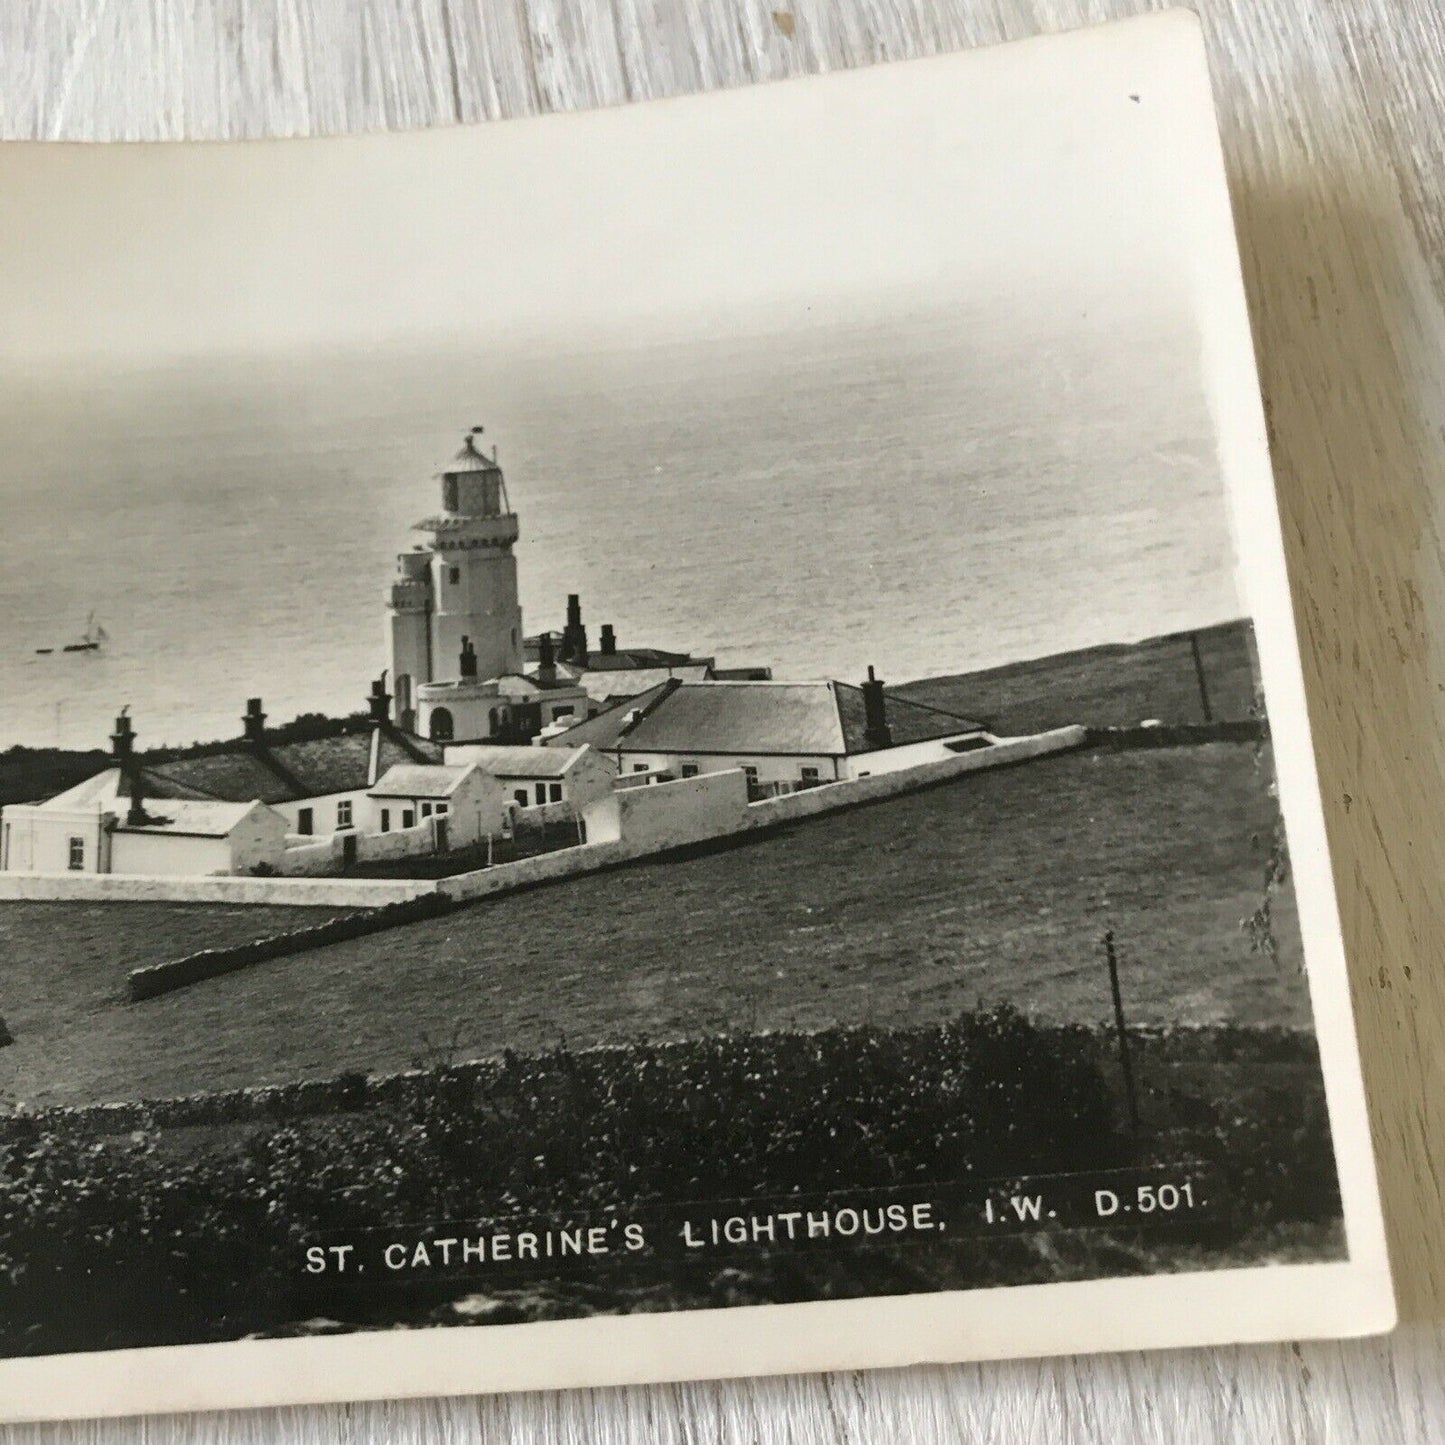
x: 673, y: 815
x: 504, y: 877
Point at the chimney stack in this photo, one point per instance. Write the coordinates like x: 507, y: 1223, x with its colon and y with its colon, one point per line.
x: 122, y: 740
x: 122, y: 746
x: 378, y: 705
x: 574, y: 635
x: 136, y: 814
x: 546, y: 658
x: 876, y: 732
x: 608, y: 640
x: 254, y: 721
x: 468, y: 659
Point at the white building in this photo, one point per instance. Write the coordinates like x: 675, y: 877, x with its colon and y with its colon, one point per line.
x: 782, y: 735
x: 513, y: 707
x: 563, y: 780
x: 458, y: 589
x: 305, y: 806
x: 96, y: 827
x: 464, y: 802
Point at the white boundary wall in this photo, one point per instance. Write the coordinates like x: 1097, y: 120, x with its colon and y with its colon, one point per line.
x: 827, y: 797
x: 630, y: 823
x: 130, y: 888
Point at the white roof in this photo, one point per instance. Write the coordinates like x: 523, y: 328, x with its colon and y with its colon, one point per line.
x: 93, y: 792
x: 419, y: 780
x: 182, y: 816
x: 517, y: 762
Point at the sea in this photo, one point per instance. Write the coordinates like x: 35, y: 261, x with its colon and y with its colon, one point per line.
x: 922, y: 493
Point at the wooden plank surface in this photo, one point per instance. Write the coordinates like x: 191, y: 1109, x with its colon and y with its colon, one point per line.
x: 1333, y: 113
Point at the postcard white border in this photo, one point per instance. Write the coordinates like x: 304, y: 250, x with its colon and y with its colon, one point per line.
x: 1352, y: 1297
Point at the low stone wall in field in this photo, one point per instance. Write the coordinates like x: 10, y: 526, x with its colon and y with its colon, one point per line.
x: 505, y: 877
x: 1178, y: 735
x: 160, y: 978
x: 130, y: 888
x: 315, y: 859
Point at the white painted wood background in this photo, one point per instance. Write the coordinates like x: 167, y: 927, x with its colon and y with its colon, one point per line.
x: 1333, y: 114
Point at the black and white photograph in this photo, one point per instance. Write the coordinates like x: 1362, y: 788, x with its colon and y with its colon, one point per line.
x: 655, y: 744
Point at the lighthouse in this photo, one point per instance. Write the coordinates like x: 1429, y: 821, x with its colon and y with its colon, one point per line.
x: 456, y: 592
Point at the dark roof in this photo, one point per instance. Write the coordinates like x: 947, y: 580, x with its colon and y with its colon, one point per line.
x: 287, y: 771
x: 785, y: 718
x: 908, y: 722
x: 603, y: 730
x: 741, y: 717
x: 623, y: 658
x: 634, y: 657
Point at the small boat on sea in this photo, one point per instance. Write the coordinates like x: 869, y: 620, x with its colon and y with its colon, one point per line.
x: 89, y: 641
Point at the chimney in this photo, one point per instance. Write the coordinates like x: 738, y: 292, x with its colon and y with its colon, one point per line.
x: 122, y: 740
x: 574, y: 635
x: 608, y: 640
x: 122, y: 746
x: 136, y: 814
x: 254, y: 721
x: 468, y: 659
x: 546, y: 658
x: 378, y: 705
x: 876, y: 732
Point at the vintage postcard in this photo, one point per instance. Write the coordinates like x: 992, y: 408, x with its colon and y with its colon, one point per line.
x: 657, y: 744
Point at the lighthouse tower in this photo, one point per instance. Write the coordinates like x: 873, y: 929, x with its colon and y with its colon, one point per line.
x: 457, y: 591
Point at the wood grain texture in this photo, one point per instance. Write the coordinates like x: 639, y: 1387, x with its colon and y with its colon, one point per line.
x: 1333, y: 114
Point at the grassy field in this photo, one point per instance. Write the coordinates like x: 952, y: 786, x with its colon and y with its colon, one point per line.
x: 994, y: 888
x: 1106, y: 686
x: 67, y: 962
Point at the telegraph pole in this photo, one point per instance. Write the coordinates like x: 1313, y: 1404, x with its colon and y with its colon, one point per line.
x: 1126, y: 1065
x: 1199, y: 677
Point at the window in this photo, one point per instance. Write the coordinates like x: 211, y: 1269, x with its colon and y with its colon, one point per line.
x: 77, y: 854
x: 564, y: 711
x: 541, y: 789
x: 386, y: 820
x: 426, y: 810
x: 494, y: 720
x: 441, y: 808
x: 520, y: 794
x: 751, y: 774
x: 810, y: 777
x: 305, y: 821
x: 639, y: 767
x: 408, y: 818
x: 343, y: 813
x: 449, y: 494
x: 454, y: 575
x: 441, y: 725
x: 689, y: 770
x: 554, y: 792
